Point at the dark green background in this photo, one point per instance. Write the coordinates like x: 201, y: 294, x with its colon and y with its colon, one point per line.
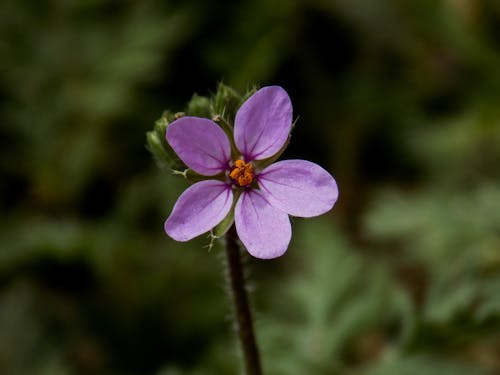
x: 398, y: 99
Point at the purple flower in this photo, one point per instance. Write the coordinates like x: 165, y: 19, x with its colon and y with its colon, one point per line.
x: 264, y: 198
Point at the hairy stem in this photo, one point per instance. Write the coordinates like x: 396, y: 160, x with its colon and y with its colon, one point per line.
x: 242, y: 313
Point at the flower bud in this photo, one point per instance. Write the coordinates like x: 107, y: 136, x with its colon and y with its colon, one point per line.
x: 199, y: 106
x: 226, y: 102
x: 157, y: 144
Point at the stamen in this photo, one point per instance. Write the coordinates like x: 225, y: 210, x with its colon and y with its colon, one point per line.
x: 242, y: 173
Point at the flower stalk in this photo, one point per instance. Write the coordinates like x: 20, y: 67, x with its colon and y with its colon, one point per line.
x: 241, y: 307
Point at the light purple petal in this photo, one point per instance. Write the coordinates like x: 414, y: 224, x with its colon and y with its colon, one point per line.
x: 264, y: 230
x: 298, y: 187
x: 200, y: 208
x: 263, y: 123
x: 201, y: 144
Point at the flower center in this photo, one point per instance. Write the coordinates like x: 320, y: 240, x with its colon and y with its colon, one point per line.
x: 242, y: 173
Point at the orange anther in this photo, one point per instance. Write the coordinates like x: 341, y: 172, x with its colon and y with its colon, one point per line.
x: 242, y: 173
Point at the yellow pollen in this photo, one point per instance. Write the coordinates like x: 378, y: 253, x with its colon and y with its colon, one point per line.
x: 242, y: 173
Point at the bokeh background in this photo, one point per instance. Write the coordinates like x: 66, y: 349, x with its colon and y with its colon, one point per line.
x: 398, y: 99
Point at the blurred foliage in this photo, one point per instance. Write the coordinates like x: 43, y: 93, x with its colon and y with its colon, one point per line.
x: 398, y: 99
x: 336, y: 312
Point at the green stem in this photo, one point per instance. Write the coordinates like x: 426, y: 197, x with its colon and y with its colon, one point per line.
x: 241, y: 311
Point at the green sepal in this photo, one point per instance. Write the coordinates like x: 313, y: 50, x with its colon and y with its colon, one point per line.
x: 193, y: 176
x: 228, y: 129
x: 157, y: 144
x: 225, y: 103
x: 221, y: 228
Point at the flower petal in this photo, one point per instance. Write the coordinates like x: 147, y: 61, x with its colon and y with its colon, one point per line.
x: 298, y: 187
x: 264, y: 230
x: 200, y: 208
x: 263, y: 123
x: 201, y: 144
